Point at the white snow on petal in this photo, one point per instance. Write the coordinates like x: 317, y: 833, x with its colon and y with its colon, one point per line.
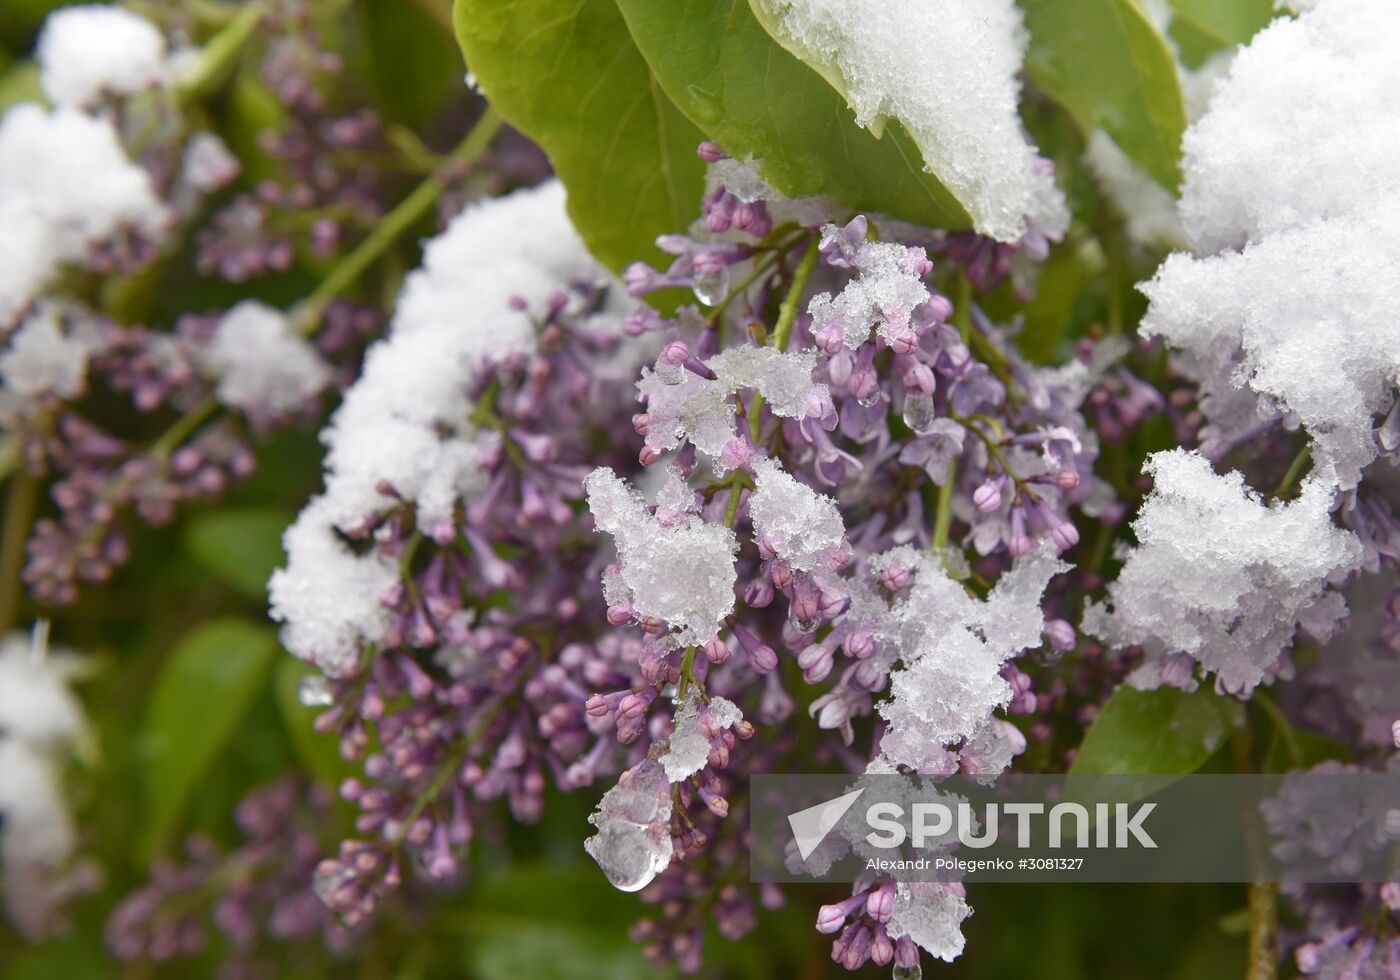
x: 264, y: 367
x: 1220, y: 575
x: 91, y: 50
x: 801, y: 524
x: 682, y: 573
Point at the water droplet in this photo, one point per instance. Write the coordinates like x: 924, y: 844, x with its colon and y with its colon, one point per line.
x: 314, y: 691
x: 670, y: 374
x: 914, y: 972
x: 919, y: 412
x: 711, y: 290
x: 1048, y: 656
x: 806, y: 625
x: 870, y: 400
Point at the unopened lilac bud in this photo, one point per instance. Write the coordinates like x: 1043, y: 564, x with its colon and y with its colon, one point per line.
x: 904, y: 342
x: 906, y: 954
x: 881, y: 947
x: 640, y: 279
x: 920, y: 378
x: 830, y: 918
x: 675, y: 353
x: 710, y: 152
x: 816, y: 662
x: 894, y: 577
x: 753, y: 218
x: 1018, y: 543
x: 648, y: 456
x: 780, y: 573
x: 762, y: 657
x: 1060, y: 635
x: 641, y: 422
x: 1065, y: 535
x: 759, y: 593
x: 859, y: 645
x: 716, y: 650
x: 880, y: 904
x: 987, y: 497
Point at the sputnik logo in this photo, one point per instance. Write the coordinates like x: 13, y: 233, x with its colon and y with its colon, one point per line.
x: 810, y: 826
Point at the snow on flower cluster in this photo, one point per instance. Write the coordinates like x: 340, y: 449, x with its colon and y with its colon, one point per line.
x: 47, y: 356
x: 673, y: 566
x: 88, y: 51
x: 66, y: 187
x: 688, y: 748
x: 1291, y: 198
x: 948, y: 72
x: 682, y: 406
x: 403, y: 430
x: 40, y: 720
x: 799, y: 525
x: 952, y: 648
x: 264, y: 368
x: 1222, y: 576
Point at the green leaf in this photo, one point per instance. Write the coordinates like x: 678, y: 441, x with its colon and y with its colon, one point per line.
x: 1227, y: 22
x: 1166, y: 731
x: 239, y: 546
x: 569, y: 77
x: 412, y: 59
x: 757, y: 99
x: 521, y: 925
x: 202, y: 693
x: 1107, y: 65
x: 319, y: 753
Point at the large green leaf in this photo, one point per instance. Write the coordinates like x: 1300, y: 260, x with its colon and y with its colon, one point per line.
x: 569, y: 77
x: 1106, y: 63
x: 756, y: 99
x: 1166, y: 731
x: 204, y: 689
x: 240, y: 546
x: 1227, y: 22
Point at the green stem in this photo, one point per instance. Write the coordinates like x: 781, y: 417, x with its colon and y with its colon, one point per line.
x: 1281, y: 725
x: 787, y: 318
x: 19, y: 511
x: 1291, y: 477
x: 183, y: 428
x: 687, y: 671
x: 393, y: 225
x: 943, y: 516
x: 220, y: 54
x: 1263, y: 931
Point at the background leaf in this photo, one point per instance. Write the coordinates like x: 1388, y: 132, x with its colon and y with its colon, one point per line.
x: 204, y: 689
x: 1226, y: 22
x: 1167, y: 731
x: 570, y: 78
x: 1105, y: 62
x: 319, y: 753
x: 756, y: 99
x: 240, y: 546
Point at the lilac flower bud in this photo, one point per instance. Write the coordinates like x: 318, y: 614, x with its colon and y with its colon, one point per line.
x: 759, y: 593
x: 753, y: 218
x: 1060, y: 635
x: 859, y: 645
x: 648, y: 456
x: 780, y: 574
x: 675, y: 353
x: 762, y: 658
x: 987, y: 497
x: 816, y: 662
x: 710, y: 152
x: 640, y: 279
x: 716, y: 650
x: 881, y: 947
x: 880, y: 904
x: 1018, y: 543
x: 919, y: 377
x: 831, y: 917
x: 906, y: 954
x: 905, y: 342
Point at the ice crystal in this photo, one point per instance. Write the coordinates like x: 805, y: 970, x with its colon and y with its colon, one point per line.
x: 802, y: 526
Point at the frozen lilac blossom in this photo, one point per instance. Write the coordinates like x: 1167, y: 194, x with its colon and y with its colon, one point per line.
x: 948, y: 72
x: 66, y: 186
x: 696, y: 723
x: 1293, y: 180
x: 700, y: 410
x: 1222, y: 576
x: 327, y: 596
x: 264, y: 368
x: 802, y: 526
x: 633, y: 843
x: 92, y: 50
x: 952, y: 647
x: 679, y: 570
x: 40, y: 723
x: 47, y: 356
x: 883, y: 297
x: 931, y: 914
